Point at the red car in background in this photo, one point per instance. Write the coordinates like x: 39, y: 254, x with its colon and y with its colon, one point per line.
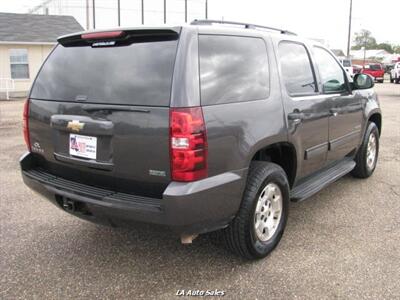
x: 375, y: 70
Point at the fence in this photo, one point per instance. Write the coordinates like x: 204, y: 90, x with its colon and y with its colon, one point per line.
x: 7, y: 85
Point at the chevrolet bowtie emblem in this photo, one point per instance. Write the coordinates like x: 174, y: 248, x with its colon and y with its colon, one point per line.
x: 75, y: 125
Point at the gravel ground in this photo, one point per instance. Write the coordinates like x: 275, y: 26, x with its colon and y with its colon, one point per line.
x: 342, y: 243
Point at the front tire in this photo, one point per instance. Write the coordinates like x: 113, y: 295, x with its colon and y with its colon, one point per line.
x: 367, y: 155
x: 258, y: 227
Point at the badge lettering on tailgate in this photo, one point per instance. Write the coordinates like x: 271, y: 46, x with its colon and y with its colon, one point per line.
x: 157, y: 173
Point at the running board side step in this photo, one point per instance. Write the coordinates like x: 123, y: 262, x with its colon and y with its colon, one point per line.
x: 321, y: 179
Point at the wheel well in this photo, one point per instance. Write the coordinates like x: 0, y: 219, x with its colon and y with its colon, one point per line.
x: 282, y: 154
x: 377, y: 119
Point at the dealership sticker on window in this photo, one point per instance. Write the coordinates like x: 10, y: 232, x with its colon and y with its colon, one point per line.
x: 83, y: 146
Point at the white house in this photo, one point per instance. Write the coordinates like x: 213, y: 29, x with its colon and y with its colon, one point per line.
x: 25, y: 42
x: 374, y: 54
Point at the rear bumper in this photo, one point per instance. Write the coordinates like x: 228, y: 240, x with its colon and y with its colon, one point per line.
x: 187, y: 208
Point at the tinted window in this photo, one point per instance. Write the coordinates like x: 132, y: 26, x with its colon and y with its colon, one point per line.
x: 138, y: 74
x: 296, y: 69
x: 332, y: 75
x: 232, y: 69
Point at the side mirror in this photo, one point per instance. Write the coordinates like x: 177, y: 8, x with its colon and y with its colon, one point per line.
x: 362, y: 81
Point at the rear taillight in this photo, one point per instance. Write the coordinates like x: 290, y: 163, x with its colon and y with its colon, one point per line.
x: 188, y: 144
x: 25, y: 124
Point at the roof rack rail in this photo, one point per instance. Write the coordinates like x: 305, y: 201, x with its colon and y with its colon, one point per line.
x: 246, y: 25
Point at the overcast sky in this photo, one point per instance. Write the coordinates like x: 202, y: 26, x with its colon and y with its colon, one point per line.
x: 320, y: 19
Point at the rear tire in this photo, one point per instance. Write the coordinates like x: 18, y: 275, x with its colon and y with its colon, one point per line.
x: 391, y: 79
x: 258, y: 226
x: 367, y: 155
x: 397, y: 80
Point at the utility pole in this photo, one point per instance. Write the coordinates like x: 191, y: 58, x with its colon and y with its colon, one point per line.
x: 87, y: 15
x: 206, y: 9
x: 349, y: 35
x: 119, y: 13
x: 165, y: 11
x: 142, y: 12
x: 94, y: 14
x: 365, y: 50
x: 185, y: 11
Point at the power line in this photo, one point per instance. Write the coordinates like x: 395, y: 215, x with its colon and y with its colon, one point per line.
x: 59, y: 6
x: 125, y: 9
x: 40, y: 6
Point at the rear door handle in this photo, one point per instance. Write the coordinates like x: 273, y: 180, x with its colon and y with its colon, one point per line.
x: 334, y: 111
x: 87, y: 163
x: 296, y: 117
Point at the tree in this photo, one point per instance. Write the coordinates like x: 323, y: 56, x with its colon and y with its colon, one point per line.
x: 364, y: 38
x: 385, y: 46
x: 396, y: 49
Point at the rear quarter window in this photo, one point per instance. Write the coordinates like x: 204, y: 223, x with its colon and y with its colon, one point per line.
x: 136, y: 74
x: 232, y: 69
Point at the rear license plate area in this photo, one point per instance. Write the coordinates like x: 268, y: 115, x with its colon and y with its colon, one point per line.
x: 83, y: 146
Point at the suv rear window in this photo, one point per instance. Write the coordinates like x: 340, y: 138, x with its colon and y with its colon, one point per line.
x: 137, y: 74
x: 232, y: 69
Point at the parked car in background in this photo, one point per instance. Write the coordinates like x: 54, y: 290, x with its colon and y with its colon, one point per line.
x: 395, y: 73
x: 357, y: 69
x: 375, y: 70
x: 388, y: 68
x: 346, y: 63
x: 198, y: 128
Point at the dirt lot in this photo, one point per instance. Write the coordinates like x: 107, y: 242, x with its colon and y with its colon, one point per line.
x: 342, y: 243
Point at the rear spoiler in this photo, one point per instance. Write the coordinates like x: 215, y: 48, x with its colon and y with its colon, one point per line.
x: 119, y: 37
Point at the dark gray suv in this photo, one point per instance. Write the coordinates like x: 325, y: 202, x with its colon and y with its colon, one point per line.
x: 200, y: 128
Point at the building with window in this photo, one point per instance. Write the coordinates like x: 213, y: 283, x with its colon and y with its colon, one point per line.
x: 25, y: 42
